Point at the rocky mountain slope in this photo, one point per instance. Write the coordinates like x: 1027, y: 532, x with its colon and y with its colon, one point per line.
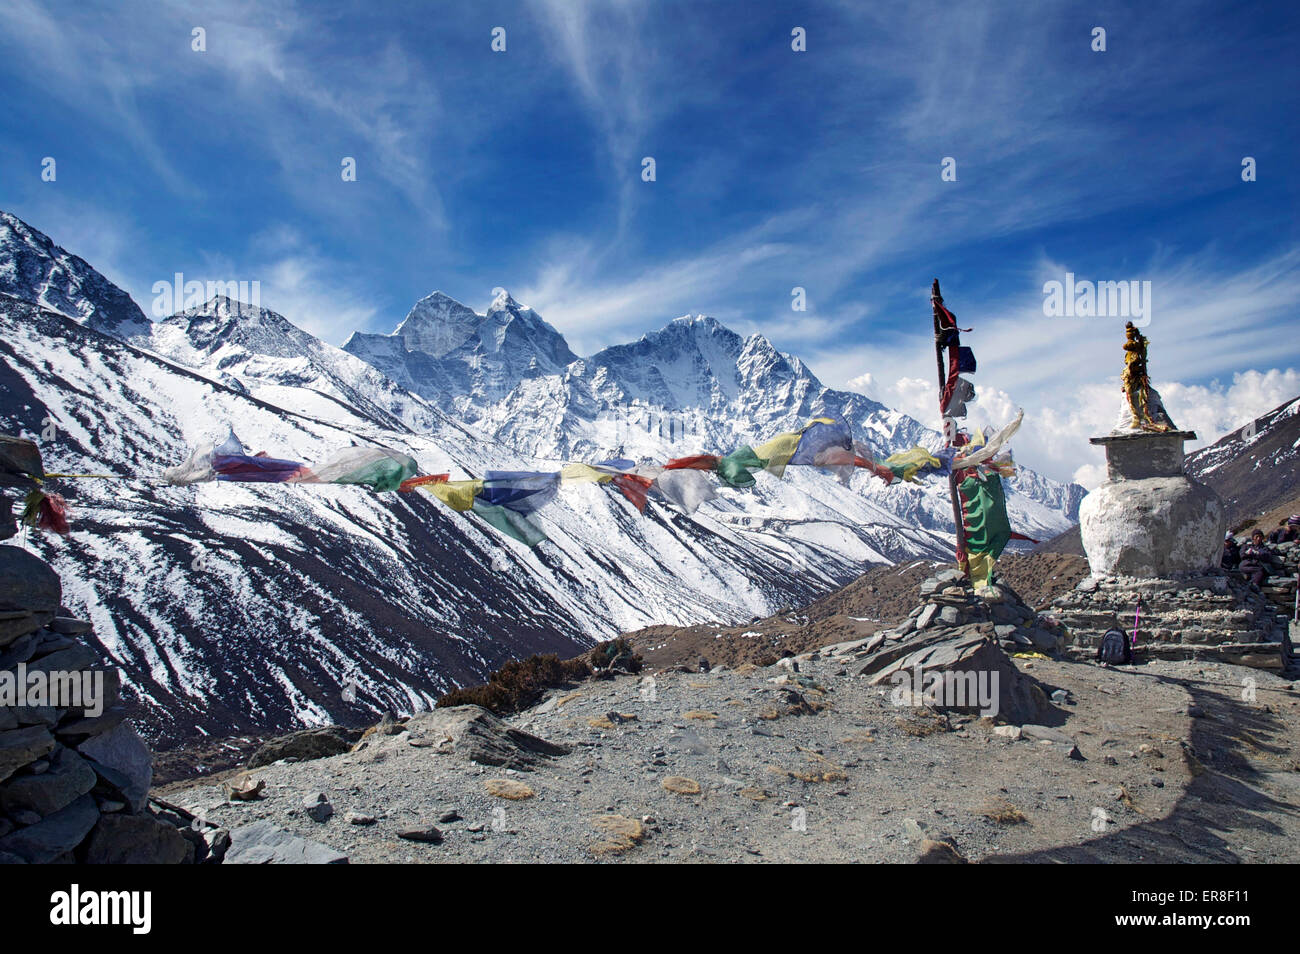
x: 262, y: 353
x: 34, y: 269
x: 1257, y: 466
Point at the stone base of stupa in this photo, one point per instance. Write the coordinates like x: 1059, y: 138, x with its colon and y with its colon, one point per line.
x: 1205, y: 615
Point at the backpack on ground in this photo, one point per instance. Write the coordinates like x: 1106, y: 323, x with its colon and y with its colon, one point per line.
x: 1115, y: 648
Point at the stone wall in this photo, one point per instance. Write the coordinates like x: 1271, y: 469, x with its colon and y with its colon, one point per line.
x: 1211, y: 613
x: 74, y: 784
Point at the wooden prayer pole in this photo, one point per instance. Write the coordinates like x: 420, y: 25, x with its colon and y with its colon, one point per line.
x: 949, y: 433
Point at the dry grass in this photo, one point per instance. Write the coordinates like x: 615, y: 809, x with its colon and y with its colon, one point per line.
x: 508, y: 788
x: 681, y: 785
x: 823, y: 770
x: 923, y: 722
x: 1004, y: 813
x: 519, y: 684
x: 1125, y: 799
x: 699, y: 714
x: 622, y: 834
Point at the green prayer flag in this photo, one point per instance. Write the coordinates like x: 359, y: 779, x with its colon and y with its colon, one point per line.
x: 984, y: 506
x: 514, y: 525
x: 734, y: 469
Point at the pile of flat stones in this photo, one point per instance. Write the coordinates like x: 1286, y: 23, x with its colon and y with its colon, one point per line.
x: 959, y: 630
x: 1210, y: 614
x: 948, y: 601
x: 74, y: 779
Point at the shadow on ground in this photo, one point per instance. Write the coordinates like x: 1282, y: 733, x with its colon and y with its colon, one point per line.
x: 1222, y: 802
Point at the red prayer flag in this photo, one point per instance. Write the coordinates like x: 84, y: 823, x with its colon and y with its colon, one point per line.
x: 633, y: 488
x: 412, y: 482
x: 698, y: 462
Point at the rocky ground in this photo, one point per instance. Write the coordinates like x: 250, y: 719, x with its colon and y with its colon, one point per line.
x: 1171, y: 761
x: 878, y: 599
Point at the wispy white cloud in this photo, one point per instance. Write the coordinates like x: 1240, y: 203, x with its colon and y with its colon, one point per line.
x: 254, y: 81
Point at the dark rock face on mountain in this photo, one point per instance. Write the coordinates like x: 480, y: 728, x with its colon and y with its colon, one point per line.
x: 33, y: 268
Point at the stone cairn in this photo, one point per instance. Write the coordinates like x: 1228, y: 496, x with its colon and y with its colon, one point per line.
x: 958, y: 628
x: 74, y: 787
x: 1152, y: 533
x: 948, y: 601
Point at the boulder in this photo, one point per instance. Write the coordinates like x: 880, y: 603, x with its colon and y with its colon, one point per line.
x: 93, y: 725
x: 479, y: 736
x: 976, y: 664
x: 20, y: 650
x: 317, y: 807
x: 261, y: 843
x: 1044, y: 640
x: 308, y: 744
x: 29, y: 593
x: 1045, y: 733
x: 136, y: 840
x: 68, y: 777
x: 54, y: 836
x: 20, y: 747
x: 75, y: 658
x: 20, y: 460
x: 127, y: 759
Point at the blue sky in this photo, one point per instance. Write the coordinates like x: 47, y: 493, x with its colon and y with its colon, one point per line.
x: 775, y: 169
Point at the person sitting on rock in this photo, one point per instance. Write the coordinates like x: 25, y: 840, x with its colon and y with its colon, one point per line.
x: 1288, y: 532
x: 1255, y: 558
x: 1231, y: 552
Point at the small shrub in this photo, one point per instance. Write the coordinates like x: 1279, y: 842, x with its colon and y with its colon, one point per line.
x: 615, y: 654
x: 518, y: 684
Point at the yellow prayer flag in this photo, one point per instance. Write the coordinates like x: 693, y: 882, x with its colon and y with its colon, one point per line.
x: 583, y: 473
x: 778, y: 451
x: 456, y: 494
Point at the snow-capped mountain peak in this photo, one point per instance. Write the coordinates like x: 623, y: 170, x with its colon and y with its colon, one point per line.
x: 437, y: 325
x: 223, y: 322
x: 33, y: 268
x: 444, y: 350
